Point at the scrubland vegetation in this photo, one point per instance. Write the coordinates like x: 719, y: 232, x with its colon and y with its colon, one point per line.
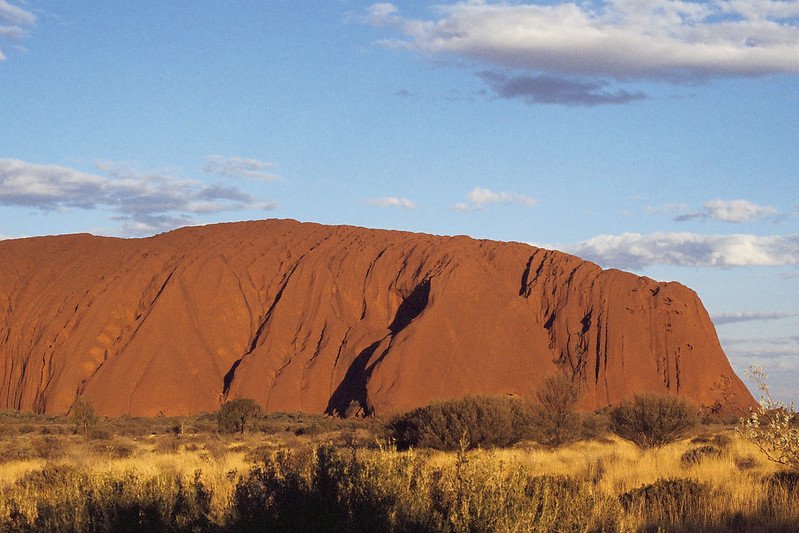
x: 310, y: 473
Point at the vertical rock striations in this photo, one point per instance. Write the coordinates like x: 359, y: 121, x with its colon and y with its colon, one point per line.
x: 335, y: 319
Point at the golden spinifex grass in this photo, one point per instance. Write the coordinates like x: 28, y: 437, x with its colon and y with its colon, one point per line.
x: 207, y: 484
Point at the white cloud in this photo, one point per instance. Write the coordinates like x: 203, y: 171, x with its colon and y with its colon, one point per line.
x: 13, y: 19
x: 620, y: 39
x: 480, y: 197
x: 748, y: 316
x: 12, y: 14
x: 142, y: 202
x: 48, y: 186
x: 738, y: 210
x: 391, y: 201
x: 731, y: 211
x: 381, y: 12
x: 635, y: 250
x: 466, y: 208
x: 239, y: 167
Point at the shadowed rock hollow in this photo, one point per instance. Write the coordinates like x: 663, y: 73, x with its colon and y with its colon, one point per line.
x: 305, y: 317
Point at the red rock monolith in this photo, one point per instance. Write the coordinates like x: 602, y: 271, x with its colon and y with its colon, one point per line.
x: 336, y: 319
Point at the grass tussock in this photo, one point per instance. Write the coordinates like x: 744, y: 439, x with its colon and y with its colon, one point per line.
x: 213, y: 483
x: 290, y: 472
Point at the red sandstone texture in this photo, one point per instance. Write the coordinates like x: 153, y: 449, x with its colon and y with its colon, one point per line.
x: 336, y: 319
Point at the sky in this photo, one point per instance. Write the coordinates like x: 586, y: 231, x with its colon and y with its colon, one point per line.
x: 655, y: 136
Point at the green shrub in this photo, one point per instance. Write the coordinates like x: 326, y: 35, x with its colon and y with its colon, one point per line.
x: 235, y: 415
x: 651, y: 421
x: 483, y: 421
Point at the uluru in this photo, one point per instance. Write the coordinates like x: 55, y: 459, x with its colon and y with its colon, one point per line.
x: 336, y: 319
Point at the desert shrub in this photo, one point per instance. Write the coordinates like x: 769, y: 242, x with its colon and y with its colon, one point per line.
x: 114, y: 449
x: 651, y: 421
x: 322, y: 489
x: 594, y: 425
x: 177, y: 427
x: 84, y: 416
x: 62, y: 498
x: 560, y: 503
x: 719, y: 440
x: 667, y: 503
x: 309, y: 430
x: 695, y: 456
x: 101, y: 433
x: 166, y: 444
x: 556, y: 421
x: 782, y: 493
x: 235, y: 415
x: 773, y: 428
x: 787, y: 480
x: 51, y: 475
x: 746, y: 462
x: 483, y: 421
x: 48, y: 447
x: 307, y: 490
x: 129, y: 426
x: 329, y: 489
x: 259, y: 454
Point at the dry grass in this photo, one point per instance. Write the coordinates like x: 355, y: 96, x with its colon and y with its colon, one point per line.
x: 204, y: 481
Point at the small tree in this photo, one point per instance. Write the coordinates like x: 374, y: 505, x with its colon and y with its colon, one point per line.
x: 774, y: 426
x: 234, y: 415
x: 556, y: 418
x: 83, y: 413
x: 652, y: 421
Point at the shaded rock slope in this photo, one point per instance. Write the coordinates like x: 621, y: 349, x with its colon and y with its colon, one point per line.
x: 336, y: 319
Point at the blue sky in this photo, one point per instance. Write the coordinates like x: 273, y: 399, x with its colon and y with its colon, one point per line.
x: 658, y: 137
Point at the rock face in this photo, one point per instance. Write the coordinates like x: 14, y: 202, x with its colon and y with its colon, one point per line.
x: 343, y: 320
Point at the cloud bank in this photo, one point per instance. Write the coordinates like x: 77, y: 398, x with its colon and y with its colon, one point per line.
x: 144, y: 203
x: 564, y: 52
x: 636, y: 250
x: 620, y: 39
x: 13, y: 20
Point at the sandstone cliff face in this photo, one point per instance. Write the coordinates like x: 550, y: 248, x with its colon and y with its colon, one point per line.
x: 304, y: 317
